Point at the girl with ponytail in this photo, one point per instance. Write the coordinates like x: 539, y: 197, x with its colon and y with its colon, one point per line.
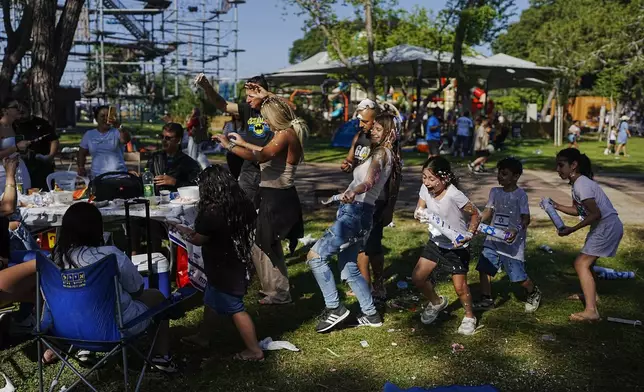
x: 594, y: 208
x: 280, y: 212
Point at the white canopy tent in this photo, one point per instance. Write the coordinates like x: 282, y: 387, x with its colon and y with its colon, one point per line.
x: 498, y: 71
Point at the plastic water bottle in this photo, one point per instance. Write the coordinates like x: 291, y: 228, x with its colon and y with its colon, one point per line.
x: 439, y: 224
x: 546, y: 249
x: 148, y: 183
x: 19, y: 181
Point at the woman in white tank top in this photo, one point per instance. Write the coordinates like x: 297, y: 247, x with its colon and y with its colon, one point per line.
x: 346, y: 237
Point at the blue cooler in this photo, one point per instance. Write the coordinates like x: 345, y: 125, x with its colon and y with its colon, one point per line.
x: 160, y: 267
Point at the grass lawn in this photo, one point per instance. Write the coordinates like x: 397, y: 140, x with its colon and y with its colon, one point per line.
x: 538, y: 154
x: 508, y: 351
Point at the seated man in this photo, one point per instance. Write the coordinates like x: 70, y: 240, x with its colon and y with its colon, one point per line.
x: 172, y: 168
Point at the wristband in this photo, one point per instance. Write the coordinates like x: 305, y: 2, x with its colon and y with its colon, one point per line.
x: 10, y: 185
x: 231, y: 145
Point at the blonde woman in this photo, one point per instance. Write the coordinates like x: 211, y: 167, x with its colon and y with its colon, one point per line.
x: 280, y: 213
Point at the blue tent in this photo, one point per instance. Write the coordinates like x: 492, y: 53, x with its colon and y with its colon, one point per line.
x: 344, y: 135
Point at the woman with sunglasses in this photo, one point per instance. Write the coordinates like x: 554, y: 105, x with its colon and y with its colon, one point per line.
x: 280, y: 213
x: 10, y: 112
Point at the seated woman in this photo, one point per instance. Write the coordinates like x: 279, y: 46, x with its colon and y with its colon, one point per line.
x: 80, y: 243
x: 17, y: 283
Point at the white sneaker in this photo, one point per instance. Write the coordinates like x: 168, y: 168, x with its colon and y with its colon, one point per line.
x: 430, y: 313
x: 468, y: 326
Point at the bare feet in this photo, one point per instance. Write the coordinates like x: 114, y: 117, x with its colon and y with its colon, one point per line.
x: 587, y: 316
x: 580, y: 297
x: 248, y: 355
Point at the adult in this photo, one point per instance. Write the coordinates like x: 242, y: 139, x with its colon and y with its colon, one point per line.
x: 10, y: 112
x: 464, y: 126
x: 80, y: 243
x: 280, y: 212
x: 105, y: 144
x: 346, y: 236
x: 172, y: 168
x: 573, y: 135
x: 623, y: 133
x: 39, y: 156
x: 255, y: 130
x: 372, y: 254
x: 433, y: 134
x: 233, y: 161
x: 481, y: 142
x: 197, y: 134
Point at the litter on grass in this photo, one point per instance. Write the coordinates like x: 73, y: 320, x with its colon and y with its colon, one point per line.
x: 269, y: 344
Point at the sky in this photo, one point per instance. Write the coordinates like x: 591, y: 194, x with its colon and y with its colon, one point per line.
x: 266, y: 34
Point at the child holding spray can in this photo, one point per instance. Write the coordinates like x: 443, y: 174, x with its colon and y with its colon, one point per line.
x: 440, y: 198
x: 594, y: 208
x: 507, y: 209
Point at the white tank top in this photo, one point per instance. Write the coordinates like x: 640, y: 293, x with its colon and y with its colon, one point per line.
x: 360, y: 175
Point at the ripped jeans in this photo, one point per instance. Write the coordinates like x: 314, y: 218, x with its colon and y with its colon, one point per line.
x: 346, y: 237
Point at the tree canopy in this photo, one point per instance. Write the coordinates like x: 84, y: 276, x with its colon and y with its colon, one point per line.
x: 600, y: 39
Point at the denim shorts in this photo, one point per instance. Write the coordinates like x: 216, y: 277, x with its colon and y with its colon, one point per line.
x: 351, y: 227
x: 491, y: 261
x: 223, y: 303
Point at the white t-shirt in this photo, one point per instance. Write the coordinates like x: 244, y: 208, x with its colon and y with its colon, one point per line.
x: 463, y: 125
x: 574, y: 130
x: 131, y: 280
x: 583, y: 189
x: 507, y: 210
x: 613, y: 135
x: 449, y: 209
x: 106, y: 151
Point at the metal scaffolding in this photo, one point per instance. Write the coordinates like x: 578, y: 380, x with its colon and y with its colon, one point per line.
x: 175, y: 37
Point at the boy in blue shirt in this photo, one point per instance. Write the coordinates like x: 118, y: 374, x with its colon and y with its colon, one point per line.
x: 507, y: 208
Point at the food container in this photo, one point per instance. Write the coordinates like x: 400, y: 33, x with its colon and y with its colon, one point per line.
x: 63, y: 197
x: 189, y: 192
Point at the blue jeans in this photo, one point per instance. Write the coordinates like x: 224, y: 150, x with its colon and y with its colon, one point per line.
x: 346, y: 237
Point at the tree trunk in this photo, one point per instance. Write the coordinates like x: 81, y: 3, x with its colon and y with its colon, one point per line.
x: 547, y: 103
x: 65, y: 32
x: 42, y: 78
x: 371, y: 77
x: 18, y: 42
x: 462, y: 84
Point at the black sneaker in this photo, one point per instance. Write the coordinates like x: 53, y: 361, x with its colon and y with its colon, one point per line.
x: 533, y: 301
x: 485, y: 303
x: 370, y: 321
x: 331, y: 317
x: 164, y: 364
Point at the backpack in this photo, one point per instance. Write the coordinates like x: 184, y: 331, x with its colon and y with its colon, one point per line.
x: 116, y: 185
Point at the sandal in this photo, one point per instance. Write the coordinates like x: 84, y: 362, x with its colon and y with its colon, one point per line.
x: 241, y: 357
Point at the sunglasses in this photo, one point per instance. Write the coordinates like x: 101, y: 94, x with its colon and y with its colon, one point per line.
x: 167, y: 138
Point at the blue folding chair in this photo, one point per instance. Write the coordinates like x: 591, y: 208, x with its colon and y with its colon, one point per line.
x: 83, y: 311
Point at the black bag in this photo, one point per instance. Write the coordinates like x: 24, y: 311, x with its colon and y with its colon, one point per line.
x: 116, y: 185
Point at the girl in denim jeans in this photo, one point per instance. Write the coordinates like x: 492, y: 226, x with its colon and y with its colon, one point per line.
x: 347, y: 235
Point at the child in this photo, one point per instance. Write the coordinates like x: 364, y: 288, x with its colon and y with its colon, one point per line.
x: 507, y: 208
x: 612, y: 139
x: 440, y: 196
x: 594, y: 208
x: 225, y: 227
x: 481, y: 147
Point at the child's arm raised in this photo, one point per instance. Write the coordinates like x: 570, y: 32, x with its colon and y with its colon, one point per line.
x: 594, y: 214
x: 568, y: 210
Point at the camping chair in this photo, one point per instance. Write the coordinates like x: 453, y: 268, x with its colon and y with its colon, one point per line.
x: 69, y: 297
x: 66, y: 180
